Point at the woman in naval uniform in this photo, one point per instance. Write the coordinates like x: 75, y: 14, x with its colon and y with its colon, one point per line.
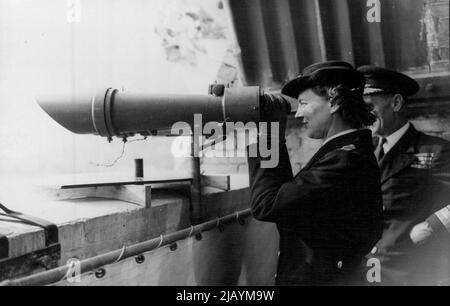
x: 330, y: 214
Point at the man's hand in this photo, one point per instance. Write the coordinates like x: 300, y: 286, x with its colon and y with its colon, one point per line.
x: 274, y: 108
x: 421, y: 233
x: 439, y: 222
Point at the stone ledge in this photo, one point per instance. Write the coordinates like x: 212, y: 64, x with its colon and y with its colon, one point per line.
x: 89, y: 227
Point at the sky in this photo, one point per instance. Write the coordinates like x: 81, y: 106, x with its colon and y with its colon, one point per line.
x: 55, y: 46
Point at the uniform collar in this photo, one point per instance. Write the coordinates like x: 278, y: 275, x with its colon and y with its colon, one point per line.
x: 339, y: 135
x: 359, y: 138
x: 394, y: 138
x: 401, y: 155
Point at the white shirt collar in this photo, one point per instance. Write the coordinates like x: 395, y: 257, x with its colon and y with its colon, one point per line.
x: 339, y: 135
x: 392, y: 139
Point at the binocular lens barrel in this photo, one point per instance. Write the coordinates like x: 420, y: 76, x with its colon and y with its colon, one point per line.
x: 111, y: 113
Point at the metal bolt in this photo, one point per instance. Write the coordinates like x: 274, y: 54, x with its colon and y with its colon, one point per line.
x: 218, y: 90
x: 430, y: 87
x: 140, y: 259
x: 100, y: 273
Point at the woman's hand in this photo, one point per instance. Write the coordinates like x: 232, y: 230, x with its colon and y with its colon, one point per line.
x: 274, y: 109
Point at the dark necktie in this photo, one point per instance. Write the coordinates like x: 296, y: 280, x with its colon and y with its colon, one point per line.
x: 379, y: 152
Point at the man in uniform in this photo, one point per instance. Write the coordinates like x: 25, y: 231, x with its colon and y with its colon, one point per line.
x: 329, y: 214
x: 415, y: 178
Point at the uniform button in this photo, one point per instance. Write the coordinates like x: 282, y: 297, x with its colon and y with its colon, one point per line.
x: 340, y: 265
x: 275, y: 276
x: 374, y: 251
x: 384, y: 208
x: 279, y: 253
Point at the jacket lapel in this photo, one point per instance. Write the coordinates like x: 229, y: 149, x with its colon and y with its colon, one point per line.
x: 401, y: 156
x: 322, y: 151
x: 375, y: 141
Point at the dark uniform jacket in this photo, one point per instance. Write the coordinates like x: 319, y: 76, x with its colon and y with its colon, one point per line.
x: 415, y: 180
x: 328, y: 215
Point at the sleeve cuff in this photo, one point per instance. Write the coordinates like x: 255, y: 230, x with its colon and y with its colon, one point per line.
x: 440, y: 221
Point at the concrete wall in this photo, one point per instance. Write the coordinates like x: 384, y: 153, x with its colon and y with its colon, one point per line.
x: 240, y: 256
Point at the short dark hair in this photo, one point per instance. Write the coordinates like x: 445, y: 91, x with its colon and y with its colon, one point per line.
x: 353, y: 109
x: 390, y: 95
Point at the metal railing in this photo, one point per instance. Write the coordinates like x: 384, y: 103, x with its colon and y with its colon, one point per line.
x: 95, y: 263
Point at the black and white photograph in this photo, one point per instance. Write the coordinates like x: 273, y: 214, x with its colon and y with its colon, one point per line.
x: 224, y: 149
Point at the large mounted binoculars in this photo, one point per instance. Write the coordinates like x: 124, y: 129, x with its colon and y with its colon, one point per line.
x: 112, y: 113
